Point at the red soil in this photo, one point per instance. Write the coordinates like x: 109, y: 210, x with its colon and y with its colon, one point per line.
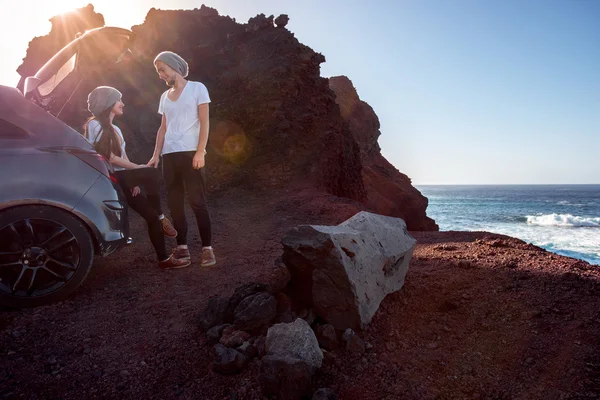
x: 480, y: 316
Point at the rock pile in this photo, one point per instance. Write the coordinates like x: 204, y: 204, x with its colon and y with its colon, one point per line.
x: 337, y: 278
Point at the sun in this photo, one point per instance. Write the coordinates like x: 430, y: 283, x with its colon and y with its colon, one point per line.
x: 120, y: 13
x: 58, y: 7
x: 28, y: 19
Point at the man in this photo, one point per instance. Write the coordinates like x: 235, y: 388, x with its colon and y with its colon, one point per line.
x: 181, y: 140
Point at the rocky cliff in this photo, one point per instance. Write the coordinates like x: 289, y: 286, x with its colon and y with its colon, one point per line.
x: 274, y: 120
x: 389, y: 191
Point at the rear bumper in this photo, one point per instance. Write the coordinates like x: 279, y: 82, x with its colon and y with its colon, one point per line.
x: 105, y: 209
x: 110, y: 247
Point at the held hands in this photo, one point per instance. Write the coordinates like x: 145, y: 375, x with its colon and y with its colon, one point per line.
x: 198, y: 161
x: 153, y: 162
x: 135, y: 191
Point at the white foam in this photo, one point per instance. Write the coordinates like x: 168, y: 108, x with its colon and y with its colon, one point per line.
x: 582, y: 243
x: 563, y: 220
x: 567, y: 203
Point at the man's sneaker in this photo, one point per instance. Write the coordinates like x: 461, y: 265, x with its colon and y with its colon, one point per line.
x: 208, y: 258
x: 181, y: 254
x: 173, y: 263
x: 168, y: 228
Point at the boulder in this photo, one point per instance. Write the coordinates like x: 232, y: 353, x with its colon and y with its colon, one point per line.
x: 282, y: 20
x: 285, y: 377
x: 296, y: 340
x: 213, y: 335
x: 345, y: 271
x: 227, y: 361
x: 231, y: 337
x: 214, y: 314
x: 240, y: 293
x: 255, y: 311
x: 248, y: 350
x: 292, y: 357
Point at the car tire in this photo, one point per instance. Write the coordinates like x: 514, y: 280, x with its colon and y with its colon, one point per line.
x: 45, y: 254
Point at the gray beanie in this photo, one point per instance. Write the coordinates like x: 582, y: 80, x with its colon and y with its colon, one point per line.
x: 174, y: 61
x: 102, y: 98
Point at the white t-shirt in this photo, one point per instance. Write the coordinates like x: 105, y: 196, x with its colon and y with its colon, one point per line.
x: 94, y: 134
x: 183, y: 125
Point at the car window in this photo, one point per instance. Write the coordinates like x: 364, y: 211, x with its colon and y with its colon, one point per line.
x: 48, y: 86
x: 11, y: 131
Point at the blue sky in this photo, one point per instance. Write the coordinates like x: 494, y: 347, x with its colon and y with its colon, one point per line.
x: 467, y: 91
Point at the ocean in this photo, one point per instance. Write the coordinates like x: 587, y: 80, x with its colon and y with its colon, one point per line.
x: 564, y: 219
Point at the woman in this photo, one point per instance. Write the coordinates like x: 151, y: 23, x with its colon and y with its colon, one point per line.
x: 105, y: 103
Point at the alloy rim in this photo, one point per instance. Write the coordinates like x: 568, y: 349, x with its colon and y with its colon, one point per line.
x: 37, y: 257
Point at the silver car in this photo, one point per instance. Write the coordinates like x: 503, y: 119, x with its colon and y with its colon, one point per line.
x: 59, y: 203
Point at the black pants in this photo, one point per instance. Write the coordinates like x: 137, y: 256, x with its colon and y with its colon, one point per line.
x: 147, y: 203
x: 179, y: 175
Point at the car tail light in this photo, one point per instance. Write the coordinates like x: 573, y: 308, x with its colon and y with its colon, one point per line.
x: 96, y: 161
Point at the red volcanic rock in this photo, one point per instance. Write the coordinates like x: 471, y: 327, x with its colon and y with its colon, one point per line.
x: 482, y: 331
x: 275, y: 122
x: 389, y: 192
x: 282, y: 21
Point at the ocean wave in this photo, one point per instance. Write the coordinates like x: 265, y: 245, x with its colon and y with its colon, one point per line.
x: 566, y: 220
x: 568, y: 203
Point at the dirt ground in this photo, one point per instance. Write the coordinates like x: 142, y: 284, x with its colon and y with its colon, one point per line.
x: 481, y: 316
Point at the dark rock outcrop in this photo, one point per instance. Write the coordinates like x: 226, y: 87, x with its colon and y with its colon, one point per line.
x: 275, y: 121
x: 282, y: 21
x: 389, y: 192
x: 65, y: 28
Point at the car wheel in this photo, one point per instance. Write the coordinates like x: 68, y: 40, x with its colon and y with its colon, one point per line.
x: 45, y: 254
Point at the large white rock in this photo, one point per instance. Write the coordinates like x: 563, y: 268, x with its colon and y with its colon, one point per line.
x: 345, y: 271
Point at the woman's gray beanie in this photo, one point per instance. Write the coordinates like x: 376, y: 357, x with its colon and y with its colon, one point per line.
x: 102, y: 98
x: 174, y: 61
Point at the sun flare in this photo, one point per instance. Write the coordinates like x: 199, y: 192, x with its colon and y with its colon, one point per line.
x: 24, y: 26
x: 60, y: 7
